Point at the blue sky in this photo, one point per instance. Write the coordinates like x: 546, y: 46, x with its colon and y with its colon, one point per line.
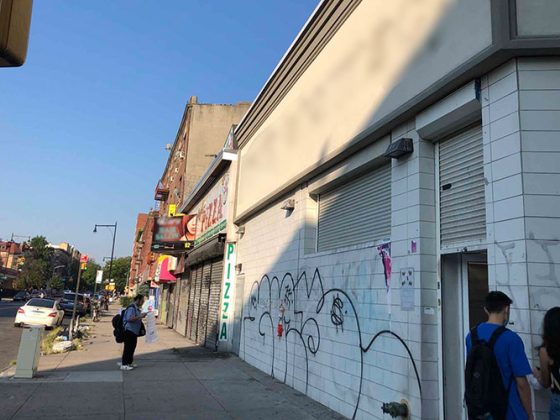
x: 84, y: 123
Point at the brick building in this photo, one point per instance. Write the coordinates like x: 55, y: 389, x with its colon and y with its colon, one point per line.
x: 142, y: 265
x: 199, y: 138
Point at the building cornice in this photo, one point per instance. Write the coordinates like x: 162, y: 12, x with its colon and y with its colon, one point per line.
x: 325, y: 21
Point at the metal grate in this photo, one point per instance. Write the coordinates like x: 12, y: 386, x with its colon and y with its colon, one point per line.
x: 462, y: 204
x: 356, y: 212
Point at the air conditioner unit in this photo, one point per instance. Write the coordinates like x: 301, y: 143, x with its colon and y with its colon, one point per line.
x: 176, y: 170
x: 171, y: 179
x: 181, y: 155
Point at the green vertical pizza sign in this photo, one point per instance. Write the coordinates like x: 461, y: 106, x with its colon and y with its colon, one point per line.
x: 226, y: 312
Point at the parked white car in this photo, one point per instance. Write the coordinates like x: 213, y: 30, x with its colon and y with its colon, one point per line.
x: 39, y: 311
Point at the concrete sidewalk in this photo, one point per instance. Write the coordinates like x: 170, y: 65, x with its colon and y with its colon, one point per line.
x: 175, y: 380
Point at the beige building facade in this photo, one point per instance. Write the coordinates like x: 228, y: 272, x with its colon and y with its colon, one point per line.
x: 199, y: 139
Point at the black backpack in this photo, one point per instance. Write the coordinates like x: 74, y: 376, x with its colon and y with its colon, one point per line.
x: 485, y: 391
x: 118, y: 326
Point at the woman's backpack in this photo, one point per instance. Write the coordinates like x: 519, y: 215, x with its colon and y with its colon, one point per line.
x: 118, y: 325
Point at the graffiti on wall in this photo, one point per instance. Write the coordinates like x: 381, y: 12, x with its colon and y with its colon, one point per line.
x: 286, y: 307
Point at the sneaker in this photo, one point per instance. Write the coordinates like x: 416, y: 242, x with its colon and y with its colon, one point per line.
x: 126, y: 367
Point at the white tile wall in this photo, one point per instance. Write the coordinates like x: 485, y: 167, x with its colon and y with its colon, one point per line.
x: 521, y: 136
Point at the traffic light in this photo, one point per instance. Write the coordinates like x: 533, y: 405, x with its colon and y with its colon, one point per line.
x: 15, y: 19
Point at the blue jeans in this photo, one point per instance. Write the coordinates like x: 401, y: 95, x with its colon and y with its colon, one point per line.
x: 554, y: 413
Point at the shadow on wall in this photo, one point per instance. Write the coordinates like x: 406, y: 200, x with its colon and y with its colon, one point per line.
x: 304, y: 326
x: 321, y: 322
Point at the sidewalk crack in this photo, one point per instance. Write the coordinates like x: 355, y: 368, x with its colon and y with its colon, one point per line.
x: 26, y: 400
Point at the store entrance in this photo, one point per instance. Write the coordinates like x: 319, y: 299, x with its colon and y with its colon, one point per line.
x: 464, y: 285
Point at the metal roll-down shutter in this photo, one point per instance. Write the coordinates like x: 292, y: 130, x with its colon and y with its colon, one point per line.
x: 356, y: 212
x: 461, y: 177
x: 214, y: 303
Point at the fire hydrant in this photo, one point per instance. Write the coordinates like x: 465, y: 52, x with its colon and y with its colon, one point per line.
x: 395, y: 409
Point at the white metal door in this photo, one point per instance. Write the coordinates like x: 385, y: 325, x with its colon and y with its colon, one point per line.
x: 460, y: 310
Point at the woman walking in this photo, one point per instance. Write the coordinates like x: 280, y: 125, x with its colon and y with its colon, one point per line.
x: 132, y: 319
x: 549, y: 355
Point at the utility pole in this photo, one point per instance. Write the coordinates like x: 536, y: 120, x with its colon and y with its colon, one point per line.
x: 114, y: 227
x: 71, y: 332
x: 112, y: 253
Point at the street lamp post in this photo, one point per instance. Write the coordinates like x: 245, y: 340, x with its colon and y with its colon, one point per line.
x: 53, y: 273
x: 112, y: 248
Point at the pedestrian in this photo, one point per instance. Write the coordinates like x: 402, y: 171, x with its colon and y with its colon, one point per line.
x: 132, y: 320
x: 549, y: 355
x: 496, y: 373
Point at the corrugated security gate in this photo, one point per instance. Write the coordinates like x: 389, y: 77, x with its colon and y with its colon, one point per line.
x: 461, y: 177
x: 214, y: 303
x: 203, y: 307
x: 182, y: 302
x: 356, y: 212
x: 194, y: 307
x: 204, y: 302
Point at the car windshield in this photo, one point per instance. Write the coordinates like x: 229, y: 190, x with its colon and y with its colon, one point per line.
x: 41, y: 303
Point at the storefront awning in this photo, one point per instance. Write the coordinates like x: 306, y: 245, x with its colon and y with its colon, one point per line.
x: 165, y: 265
x: 213, y: 248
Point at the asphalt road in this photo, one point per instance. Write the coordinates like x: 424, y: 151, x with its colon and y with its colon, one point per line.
x: 9, y: 336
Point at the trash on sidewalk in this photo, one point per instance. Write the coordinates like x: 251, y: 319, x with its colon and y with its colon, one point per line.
x: 62, y: 346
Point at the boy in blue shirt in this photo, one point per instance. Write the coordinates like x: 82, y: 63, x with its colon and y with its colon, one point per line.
x: 510, y: 355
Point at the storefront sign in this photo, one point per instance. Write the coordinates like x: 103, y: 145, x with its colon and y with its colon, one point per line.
x: 173, y: 233
x: 165, y: 264
x: 172, y: 210
x: 212, y: 211
x: 228, y: 293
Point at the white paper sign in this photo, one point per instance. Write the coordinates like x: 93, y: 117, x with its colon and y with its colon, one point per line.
x: 151, y: 329
x: 407, y: 289
x: 99, y: 277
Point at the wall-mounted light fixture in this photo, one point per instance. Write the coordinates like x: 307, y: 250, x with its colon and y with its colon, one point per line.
x: 399, y: 148
x: 238, y: 268
x: 240, y: 230
x: 289, y: 204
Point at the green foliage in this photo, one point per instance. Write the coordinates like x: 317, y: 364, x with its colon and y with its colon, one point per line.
x: 119, y: 271
x: 49, y: 340
x: 37, y: 270
x: 57, y: 283
x: 87, y: 281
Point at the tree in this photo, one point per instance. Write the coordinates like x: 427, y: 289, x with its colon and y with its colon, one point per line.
x: 87, y: 281
x: 57, y: 283
x: 119, y: 272
x: 37, y: 270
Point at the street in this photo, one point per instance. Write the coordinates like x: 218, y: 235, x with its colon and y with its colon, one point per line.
x: 9, y: 336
